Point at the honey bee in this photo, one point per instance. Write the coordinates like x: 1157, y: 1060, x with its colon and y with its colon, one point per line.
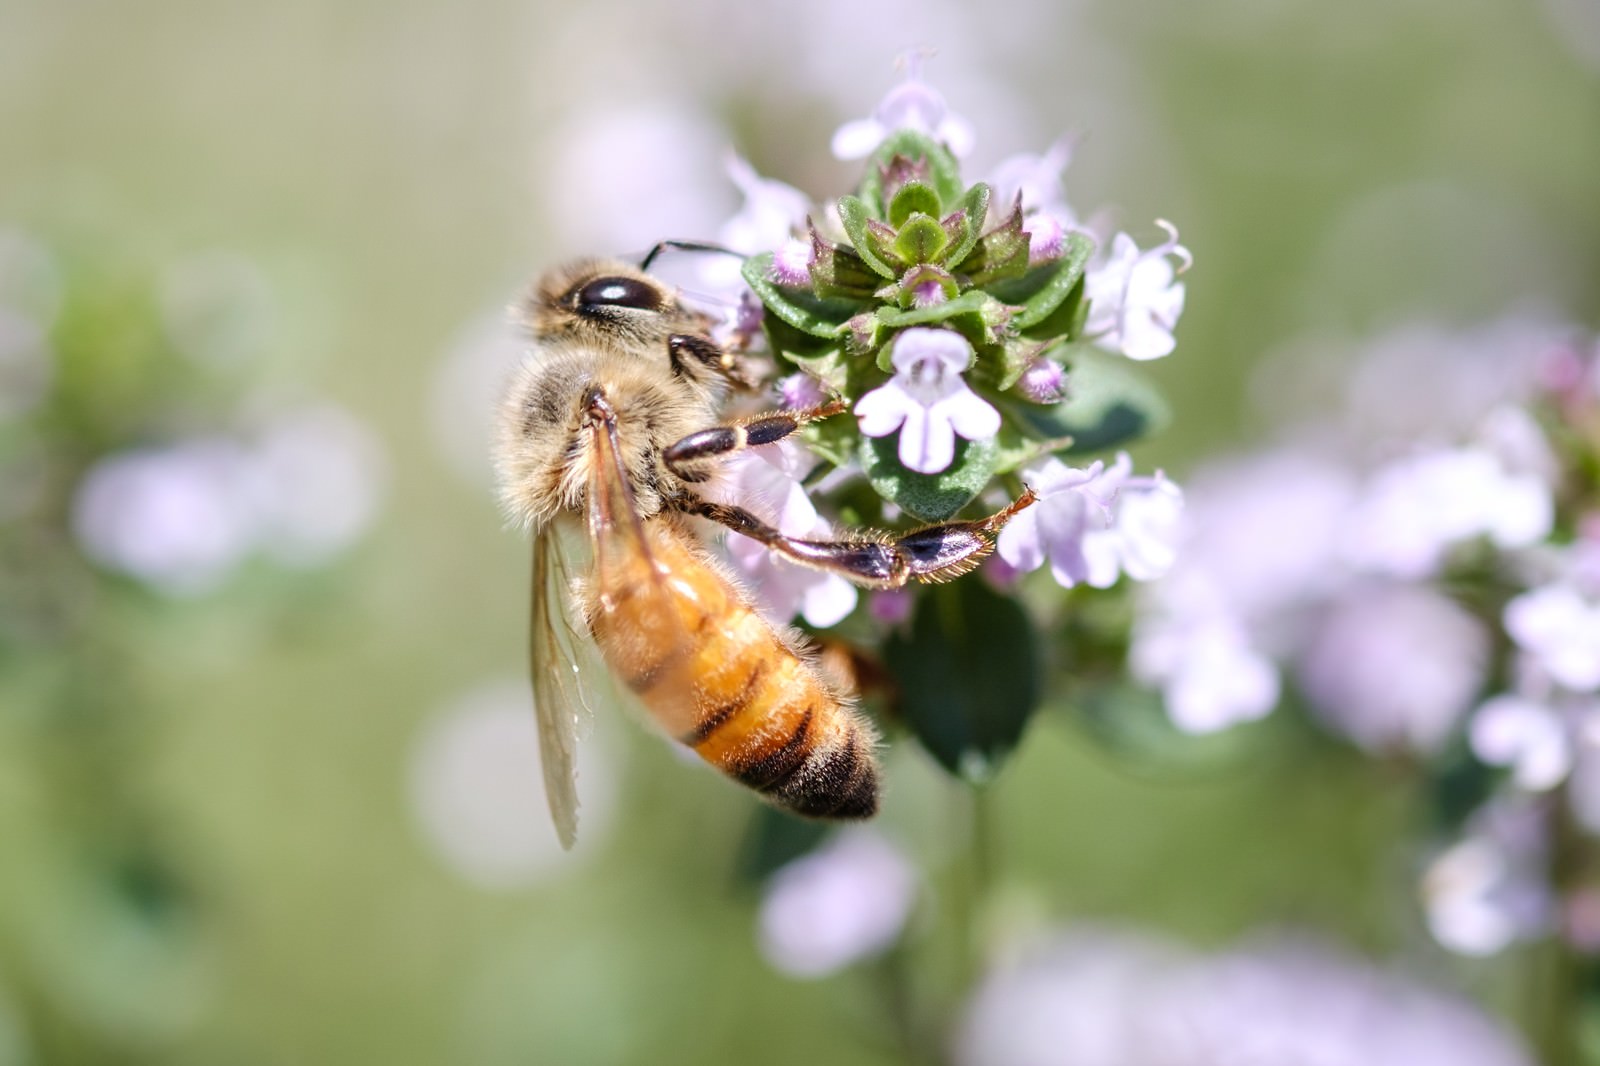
x: 611, y: 426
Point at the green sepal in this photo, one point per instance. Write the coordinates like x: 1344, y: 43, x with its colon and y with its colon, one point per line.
x: 930, y: 497
x: 892, y: 176
x: 1108, y: 404
x: 1000, y: 254
x: 856, y: 220
x: 904, y: 292
x: 970, y: 673
x: 967, y: 219
x: 921, y: 240
x: 914, y: 197
x: 800, y: 308
x: 943, y: 172
x: 1015, y: 355
x: 1046, y: 287
x: 864, y: 334
x: 836, y: 270
x: 975, y: 315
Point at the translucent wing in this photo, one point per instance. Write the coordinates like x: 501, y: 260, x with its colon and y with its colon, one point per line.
x: 647, y: 602
x: 558, y: 695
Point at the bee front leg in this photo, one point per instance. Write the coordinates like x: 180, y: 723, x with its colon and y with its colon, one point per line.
x: 690, y: 457
x: 871, y: 558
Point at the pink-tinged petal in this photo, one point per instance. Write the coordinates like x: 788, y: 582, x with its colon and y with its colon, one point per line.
x: 969, y: 414
x: 857, y: 138
x: 927, y: 444
x: 881, y: 411
x: 921, y: 344
x: 1100, y: 553
x: 1068, y: 565
x: 1019, y: 544
x: 827, y: 600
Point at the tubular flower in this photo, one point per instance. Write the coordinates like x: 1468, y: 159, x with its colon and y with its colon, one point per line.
x: 1135, y: 299
x: 927, y: 400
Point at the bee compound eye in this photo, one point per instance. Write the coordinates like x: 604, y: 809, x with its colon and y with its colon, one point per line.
x: 619, y: 292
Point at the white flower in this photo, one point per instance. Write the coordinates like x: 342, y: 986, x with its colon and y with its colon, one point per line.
x: 1395, y: 666
x: 1135, y: 297
x: 845, y: 902
x: 1490, y: 890
x: 911, y: 105
x: 1526, y: 735
x: 1094, y: 524
x: 175, y: 518
x: 1210, y: 675
x: 771, y: 215
x: 1560, y: 628
x: 766, y: 482
x: 927, y: 400
x: 1417, y: 508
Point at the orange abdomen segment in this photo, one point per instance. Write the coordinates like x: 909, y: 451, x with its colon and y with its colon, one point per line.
x: 717, y: 677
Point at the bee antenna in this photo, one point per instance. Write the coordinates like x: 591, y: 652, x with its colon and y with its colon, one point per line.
x: 686, y: 246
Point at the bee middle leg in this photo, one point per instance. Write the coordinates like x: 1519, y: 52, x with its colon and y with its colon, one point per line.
x: 874, y: 559
x: 691, y: 457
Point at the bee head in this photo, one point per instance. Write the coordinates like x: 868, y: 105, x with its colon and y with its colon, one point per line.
x: 606, y: 302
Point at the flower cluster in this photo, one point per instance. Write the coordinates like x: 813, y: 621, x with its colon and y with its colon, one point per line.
x: 1428, y: 578
x: 978, y: 336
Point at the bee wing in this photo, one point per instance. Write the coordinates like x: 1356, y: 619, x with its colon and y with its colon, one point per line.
x: 656, y: 607
x: 559, y: 700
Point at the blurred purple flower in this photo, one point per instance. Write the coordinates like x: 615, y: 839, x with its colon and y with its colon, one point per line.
x: 1046, y: 215
x: 1395, y: 667
x: 1135, y: 299
x: 1094, y: 524
x: 315, y: 481
x: 1532, y: 738
x: 1043, y: 381
x: 843, y: 903
x: 799, y: 391
x: 1559, y: 627
x: 927, y: 400
x: 1210, y: 675
x: 912, y: 105
x: 1114, y: 999
x: 1491, y: 889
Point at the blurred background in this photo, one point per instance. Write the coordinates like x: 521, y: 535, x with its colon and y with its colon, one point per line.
x: 268, y: 783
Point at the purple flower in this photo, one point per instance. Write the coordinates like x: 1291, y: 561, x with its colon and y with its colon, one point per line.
x: 1046, y: 215
x: 1490, y: 889
x: 766, y: 481
x: 1210, y: 675
x: 836, y: 906
x: 1094, y: 524
x: 1559, y: 628
x: 1043, y: 381
x: 799, y: 391
x: 1531, y: 737
x: 911, y: 105
x: 927, y: 400
x: 1395, y: 667
x: 1135, y: 297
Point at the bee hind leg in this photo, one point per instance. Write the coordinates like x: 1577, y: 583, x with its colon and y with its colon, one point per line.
x: 690, y: 457
x: 871, y: 558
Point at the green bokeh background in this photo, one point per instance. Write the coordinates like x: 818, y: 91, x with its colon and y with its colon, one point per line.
x: 1334, y: 167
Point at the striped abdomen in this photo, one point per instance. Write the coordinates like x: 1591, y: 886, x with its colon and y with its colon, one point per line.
x: 719, y: 678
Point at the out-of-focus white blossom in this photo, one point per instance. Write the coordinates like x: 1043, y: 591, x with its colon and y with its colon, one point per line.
x: 1531, y: 738
x: 1135, y: 297
x: 1417, y: 508
x: 1100, y: 998
x: 845, y: 902
x: 1490, y: 889
x: 928, y: 401
x: 1094, y: 524
x: 766, y: 482
x: 1210, y: 675
x: 768, y: 221
x: 173, y: 517
x: 1036, y: 179
x: 1395, y: 667
x: 912, y: 105
x: 478, y: 797
x: 1559, y: 627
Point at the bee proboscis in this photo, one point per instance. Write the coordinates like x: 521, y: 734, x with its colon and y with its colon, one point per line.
x: 612, y: 425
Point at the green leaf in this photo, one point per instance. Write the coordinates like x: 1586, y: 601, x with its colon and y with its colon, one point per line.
x: 969, y: 673
x: 998, y: 255
x: 972, y: 213
x: 800, y: 308
x: 1109, y: 404
x: 835, y: 439
x: 856, y: 221
x: 921, y: 240
x: 1044, y: 288
x: 944, y: 174
x: 914, y: 197
x: 930, y: 497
